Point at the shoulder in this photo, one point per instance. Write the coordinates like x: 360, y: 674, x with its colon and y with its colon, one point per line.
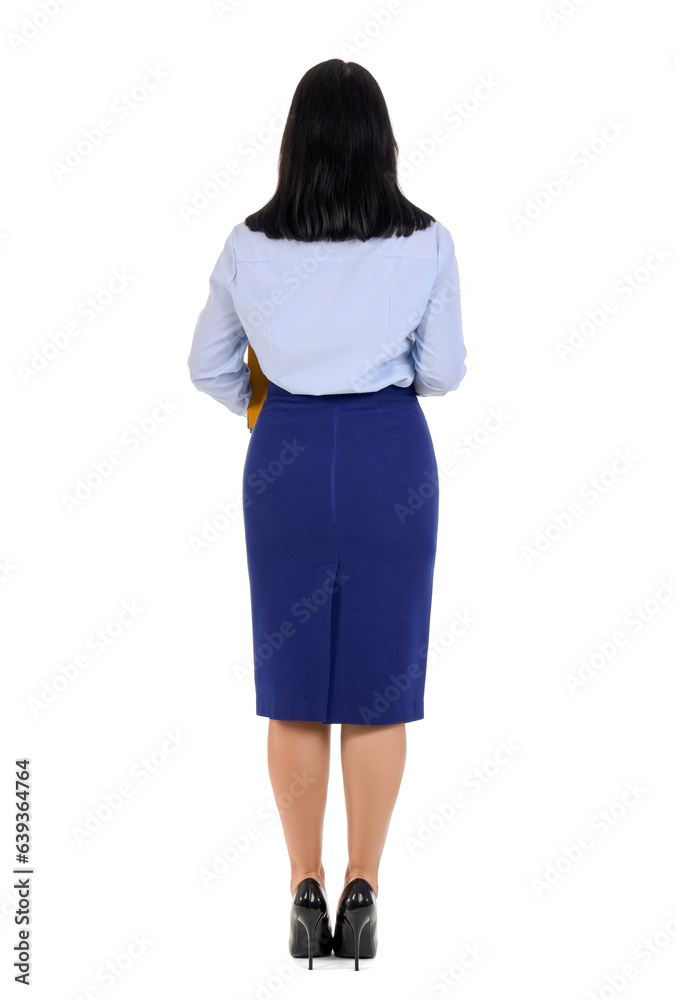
x: 244, y: 241
x: 444, y: 240
x: 445, y: 245
x: 430, y: 243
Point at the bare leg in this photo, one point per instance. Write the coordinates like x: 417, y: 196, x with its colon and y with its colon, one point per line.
x: 298, y: 755
x: 373, y: 759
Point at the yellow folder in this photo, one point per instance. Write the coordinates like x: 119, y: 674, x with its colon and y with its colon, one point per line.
x: 259, y: 383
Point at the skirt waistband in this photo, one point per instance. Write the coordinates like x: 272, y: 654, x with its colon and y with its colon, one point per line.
x: 387, y: 392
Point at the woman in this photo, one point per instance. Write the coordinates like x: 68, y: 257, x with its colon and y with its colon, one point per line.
x: 348, y: 294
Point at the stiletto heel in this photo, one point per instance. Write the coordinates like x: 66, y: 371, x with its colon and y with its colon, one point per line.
x: 310, y: 922
x: 356, y: 922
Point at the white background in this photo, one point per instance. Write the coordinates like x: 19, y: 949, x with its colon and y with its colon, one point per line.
x: 494, y: 875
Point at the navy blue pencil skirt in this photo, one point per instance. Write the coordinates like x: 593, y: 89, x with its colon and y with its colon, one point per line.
x: 340, y: 503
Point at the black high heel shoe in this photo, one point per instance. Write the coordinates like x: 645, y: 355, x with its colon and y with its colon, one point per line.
x: 356, y: 922
x: 310, y: 923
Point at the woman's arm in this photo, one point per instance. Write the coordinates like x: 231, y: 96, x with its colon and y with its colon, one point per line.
x: 438, y: 349
x: 216, y: 360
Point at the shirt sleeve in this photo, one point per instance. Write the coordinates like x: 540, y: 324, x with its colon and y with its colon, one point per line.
x: 438, y: 350
x: 216, y: 360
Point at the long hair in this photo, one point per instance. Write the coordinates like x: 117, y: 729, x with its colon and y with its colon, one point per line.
x: 337, y: 175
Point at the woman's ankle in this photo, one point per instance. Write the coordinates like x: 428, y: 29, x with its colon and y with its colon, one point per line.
x: 297, y: 877
x: 370, y: 877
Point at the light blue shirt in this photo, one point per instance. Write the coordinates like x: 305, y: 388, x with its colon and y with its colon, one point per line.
x: 328, y: 317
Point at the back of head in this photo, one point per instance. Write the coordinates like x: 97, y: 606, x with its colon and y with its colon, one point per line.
x: 338, y: 164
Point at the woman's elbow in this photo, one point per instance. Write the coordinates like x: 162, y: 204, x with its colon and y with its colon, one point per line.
x: 441, y: 383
